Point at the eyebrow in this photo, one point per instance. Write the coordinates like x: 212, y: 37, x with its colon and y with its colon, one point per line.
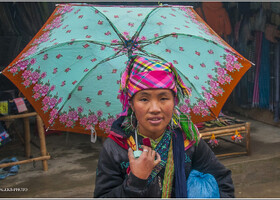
x: 145, y: 93
x: 160, y: 94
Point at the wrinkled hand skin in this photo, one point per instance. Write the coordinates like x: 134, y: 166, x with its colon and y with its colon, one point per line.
x: 142, y: 167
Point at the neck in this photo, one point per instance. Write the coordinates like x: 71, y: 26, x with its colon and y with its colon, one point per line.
x: 151, y: 135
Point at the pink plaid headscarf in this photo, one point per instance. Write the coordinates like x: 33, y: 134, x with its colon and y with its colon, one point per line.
x: 142, y: 73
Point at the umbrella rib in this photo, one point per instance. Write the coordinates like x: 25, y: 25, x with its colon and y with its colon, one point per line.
x: 151, y: 41
x: 135, y: 36
x: 102, y: 61
x: 65, y: 43
x: 213, y: 115
x: 114, y: 28
x: 117, y: 51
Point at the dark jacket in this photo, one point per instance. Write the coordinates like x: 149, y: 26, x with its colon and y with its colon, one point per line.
x: 112, y: 179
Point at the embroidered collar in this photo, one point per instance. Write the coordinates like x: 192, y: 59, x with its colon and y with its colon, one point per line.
x: 155, y: 142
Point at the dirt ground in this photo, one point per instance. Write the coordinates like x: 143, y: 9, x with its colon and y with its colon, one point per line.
x: 71, y: 169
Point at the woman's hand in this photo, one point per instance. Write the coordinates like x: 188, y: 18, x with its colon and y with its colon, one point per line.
x: 142, y: 167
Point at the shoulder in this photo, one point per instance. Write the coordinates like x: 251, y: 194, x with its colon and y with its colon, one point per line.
x: 112, y: 152
x: 191, y: 148
x: 189, y: 143
x: 111, y: 144
x: 108, y: 142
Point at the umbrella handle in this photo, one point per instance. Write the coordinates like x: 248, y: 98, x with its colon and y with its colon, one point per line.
x: 136, y: 153
x: 93, y: 139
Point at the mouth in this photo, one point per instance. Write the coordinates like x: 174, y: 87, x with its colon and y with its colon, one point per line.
x: 155, y: 120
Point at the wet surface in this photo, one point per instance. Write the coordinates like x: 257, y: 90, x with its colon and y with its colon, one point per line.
x: 257, y: 179
x: 74, y: 159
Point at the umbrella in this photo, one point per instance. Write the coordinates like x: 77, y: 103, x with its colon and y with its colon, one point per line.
x: 70, y: 71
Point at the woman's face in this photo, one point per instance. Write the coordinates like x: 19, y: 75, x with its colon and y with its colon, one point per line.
x: 153, y: 109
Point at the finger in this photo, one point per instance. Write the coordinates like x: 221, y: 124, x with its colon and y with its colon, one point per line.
x: 153, y: 154
x: 146, y: 150
x: 130, y: 155
x: 143, y: 146
x: 150, y: 151
x: 158, y: 160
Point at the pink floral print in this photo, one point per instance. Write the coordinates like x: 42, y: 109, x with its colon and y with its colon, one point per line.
x: 47, y: 83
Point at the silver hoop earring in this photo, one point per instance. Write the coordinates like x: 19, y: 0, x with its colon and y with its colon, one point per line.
x: 133, y: 120
x: 172, y: 124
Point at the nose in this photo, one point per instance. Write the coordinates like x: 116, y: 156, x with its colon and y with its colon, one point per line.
x: 154, y: 107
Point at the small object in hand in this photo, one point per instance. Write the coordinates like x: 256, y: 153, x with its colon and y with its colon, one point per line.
x: 137, y: 153
x: 146, y: 150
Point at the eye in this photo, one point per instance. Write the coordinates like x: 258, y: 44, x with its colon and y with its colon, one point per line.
x: 164, y: 99
x: 144, y: 99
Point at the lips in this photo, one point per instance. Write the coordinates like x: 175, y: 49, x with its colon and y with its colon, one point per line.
x: 155, y: 120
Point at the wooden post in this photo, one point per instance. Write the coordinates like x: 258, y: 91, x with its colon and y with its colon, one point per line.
x: 248, y: 145
x: 223, y: 131
x: 27, y: 136
x: 231, y: 154
x: 24, y: 161
x: 220, y: 132
x: 41, y: 132
x: 9, y: 117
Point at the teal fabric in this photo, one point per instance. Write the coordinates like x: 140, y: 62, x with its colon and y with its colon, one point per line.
x: 72, y: 67
x: 264, y: 78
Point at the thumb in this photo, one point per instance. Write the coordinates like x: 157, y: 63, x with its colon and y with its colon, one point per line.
x: 130, y: 155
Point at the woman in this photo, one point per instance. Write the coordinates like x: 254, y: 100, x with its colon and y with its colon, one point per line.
x: 153, y: 147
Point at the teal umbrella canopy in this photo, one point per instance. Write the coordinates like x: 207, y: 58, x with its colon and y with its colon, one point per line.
x: 70, y: 71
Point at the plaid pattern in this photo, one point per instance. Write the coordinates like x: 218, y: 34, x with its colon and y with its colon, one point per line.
x: 142, y: 73
x: 149, y: 80
x: 141, y: 64
x: 148, y: 74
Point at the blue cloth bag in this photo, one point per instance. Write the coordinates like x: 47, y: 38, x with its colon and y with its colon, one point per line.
x: 8, y: 171
x: 200, y: 185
